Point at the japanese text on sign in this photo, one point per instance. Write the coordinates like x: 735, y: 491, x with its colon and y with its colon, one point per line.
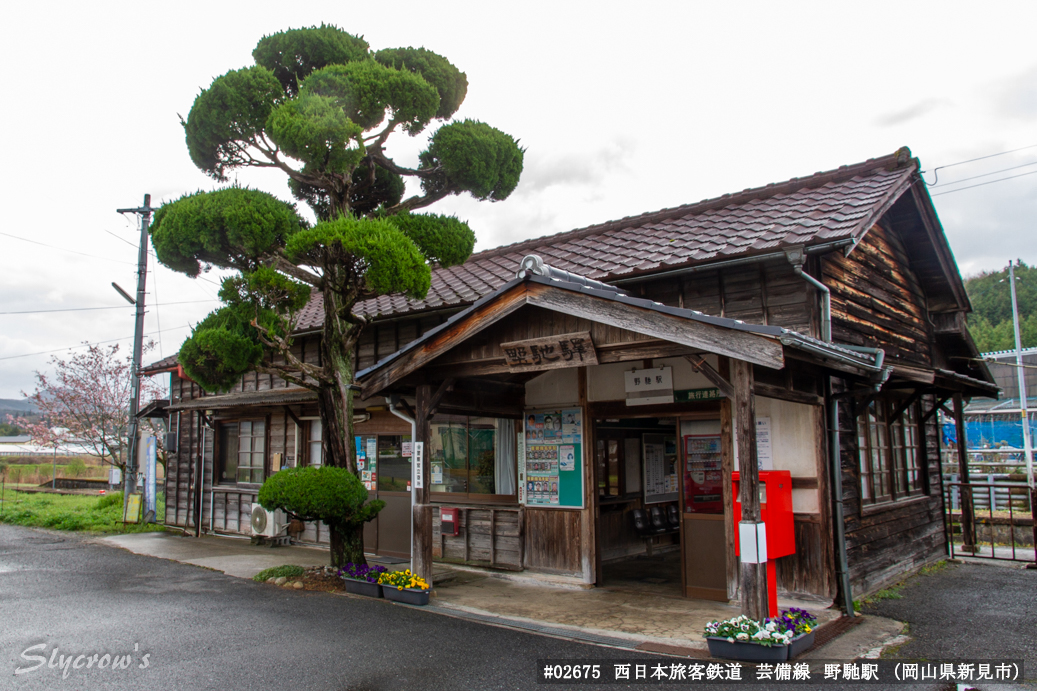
x: 552, y: 352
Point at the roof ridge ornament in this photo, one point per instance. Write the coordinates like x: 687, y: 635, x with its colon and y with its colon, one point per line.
x: 533, y: 265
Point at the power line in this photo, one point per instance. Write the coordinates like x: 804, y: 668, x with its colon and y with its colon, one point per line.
x: 981, y: 158
x: 86, y: 345
x: 986, y: 175
x: 116, y: 307
x: 64, y: 249
x: 991, y: 182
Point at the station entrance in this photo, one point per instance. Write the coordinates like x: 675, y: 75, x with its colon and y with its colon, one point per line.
x: 660, y: 506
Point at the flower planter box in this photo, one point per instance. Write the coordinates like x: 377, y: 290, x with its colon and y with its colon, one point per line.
x: 800, y: 644
x: 746, y: 651
x: 410, y: 596
x: 358, y: 587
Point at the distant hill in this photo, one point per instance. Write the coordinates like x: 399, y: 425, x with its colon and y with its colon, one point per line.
x: 20, y: 404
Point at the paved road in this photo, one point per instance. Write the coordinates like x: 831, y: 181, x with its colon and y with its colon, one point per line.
x: 968, y: 611
x: 201, y: 629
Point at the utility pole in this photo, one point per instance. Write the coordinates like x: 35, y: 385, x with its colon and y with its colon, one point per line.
x: 130, y: 481
x: 1023, y: 395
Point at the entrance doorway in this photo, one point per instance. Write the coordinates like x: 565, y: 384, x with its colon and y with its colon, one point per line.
x: 639, y: 526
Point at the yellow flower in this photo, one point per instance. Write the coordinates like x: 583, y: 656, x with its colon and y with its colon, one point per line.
x: 808, y: 629
x: 399, y: 587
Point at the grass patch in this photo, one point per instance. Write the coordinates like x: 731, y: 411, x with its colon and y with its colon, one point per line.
x: 77, y: 512
x: 893, y: 592
x: 288, y: 571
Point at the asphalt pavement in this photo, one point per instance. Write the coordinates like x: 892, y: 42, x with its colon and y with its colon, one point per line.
x: 968, y: 611
x: 180, y: 626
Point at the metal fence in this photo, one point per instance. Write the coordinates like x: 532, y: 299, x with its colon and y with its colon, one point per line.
x: 1001, y: 514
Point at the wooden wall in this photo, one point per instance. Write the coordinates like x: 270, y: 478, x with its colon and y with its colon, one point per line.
x: 488, y: 536
x: 553, y: 540
x: 884, y: 543
x: 877, y: 300
x: 764, y: 293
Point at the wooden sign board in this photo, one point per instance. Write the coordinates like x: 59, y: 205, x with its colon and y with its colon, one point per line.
x: 552, y: 352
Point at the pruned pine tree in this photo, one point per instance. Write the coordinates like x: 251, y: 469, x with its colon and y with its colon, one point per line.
x: 319, y: 105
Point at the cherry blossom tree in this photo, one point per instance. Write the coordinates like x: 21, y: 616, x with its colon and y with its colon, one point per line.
x: 85, y: 401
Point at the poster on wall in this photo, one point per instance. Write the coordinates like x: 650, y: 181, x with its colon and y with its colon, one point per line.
x: 660, y: 468
x: 764, y: 450
x: 551, y: 464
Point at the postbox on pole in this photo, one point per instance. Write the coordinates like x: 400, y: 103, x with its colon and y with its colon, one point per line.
x: 776, y: 513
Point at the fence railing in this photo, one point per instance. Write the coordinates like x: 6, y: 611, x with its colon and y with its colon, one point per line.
x: 993, y: 520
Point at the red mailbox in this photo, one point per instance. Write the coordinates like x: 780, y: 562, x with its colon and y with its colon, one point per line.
x: 448, y: 521
x: 776, y: 514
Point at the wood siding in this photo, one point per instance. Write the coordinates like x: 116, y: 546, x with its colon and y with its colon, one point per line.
x: 553, y: 540
x: 877, y: 300
x: 488, y: 536
x: 884, y: 542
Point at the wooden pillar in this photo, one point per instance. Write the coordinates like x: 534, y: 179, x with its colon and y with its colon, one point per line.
x: 754, y: 576
x: 590, y: 560
x: 968, y: 516
x: 421, y: 549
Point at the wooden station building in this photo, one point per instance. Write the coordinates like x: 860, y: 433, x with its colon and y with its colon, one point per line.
x: 567, y: 387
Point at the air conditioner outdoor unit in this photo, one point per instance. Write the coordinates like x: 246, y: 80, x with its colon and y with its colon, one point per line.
x: 267, y: 523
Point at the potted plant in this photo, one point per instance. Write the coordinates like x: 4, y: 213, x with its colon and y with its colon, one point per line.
x: 742, y: 638
x: 404, y: 586
x: 362, y: 579
x: 801, y: 624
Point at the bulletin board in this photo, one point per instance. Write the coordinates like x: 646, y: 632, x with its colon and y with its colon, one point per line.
x: 660, y: 468
x: 551, y: 458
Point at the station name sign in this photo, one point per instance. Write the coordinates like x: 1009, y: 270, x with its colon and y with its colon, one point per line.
x: 551, y: 352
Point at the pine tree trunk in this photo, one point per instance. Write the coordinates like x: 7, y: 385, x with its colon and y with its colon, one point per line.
x: 347, y: 545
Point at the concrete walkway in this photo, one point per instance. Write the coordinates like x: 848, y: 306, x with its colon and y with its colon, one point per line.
x: 620, y: 617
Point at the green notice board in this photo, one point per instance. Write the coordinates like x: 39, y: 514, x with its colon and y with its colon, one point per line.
x: 551, y: 458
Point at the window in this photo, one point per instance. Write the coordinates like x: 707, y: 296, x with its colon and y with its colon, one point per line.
x: 889, y: 465
x: 241, y: 451
x: 314, y: 447
x: 473, y: 456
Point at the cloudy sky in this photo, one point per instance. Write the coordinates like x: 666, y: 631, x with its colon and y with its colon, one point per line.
x: 621, y: 110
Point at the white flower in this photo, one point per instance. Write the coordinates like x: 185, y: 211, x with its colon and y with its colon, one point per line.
x: 731, y: 640
x: 743, y: 636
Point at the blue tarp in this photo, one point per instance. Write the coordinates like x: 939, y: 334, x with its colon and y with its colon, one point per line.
x: 990, y: 433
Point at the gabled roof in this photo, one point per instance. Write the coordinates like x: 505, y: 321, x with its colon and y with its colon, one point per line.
x: 840, y: 204
x: 761, y: 344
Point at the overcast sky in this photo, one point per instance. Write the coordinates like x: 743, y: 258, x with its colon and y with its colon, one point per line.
x: 623, y: 109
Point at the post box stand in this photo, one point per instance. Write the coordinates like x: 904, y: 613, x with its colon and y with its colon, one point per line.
x: 776, y: 514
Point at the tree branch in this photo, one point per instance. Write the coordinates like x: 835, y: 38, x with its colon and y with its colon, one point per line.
x: 282, y: 264
x: 417, y: 202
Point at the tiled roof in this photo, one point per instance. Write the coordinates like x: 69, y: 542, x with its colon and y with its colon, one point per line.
x: 823, y: 207
x: 163, y: 365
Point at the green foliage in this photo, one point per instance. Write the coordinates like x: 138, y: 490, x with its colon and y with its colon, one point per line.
x: 234, y: 228
x: 77, y: 512
x: 450, y: 82
x: 442, y: 239
x: 221, y: 348
x: 991, y: 320
x: 364, y: 90
x: 75, y: 468
x: 333, y: 495
x: 387, y: 259
x: 227, y: 116
x: 366, y: 196
x: 266, y: 289
x: 286, y: 571
x: 473, y: 157
x: 314, y: 129
x: 292, y: 55
x: 9, y: 430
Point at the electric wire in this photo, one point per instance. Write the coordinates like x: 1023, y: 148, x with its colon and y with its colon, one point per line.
x: 115, y: 307
x: 989, y: 182
x: 986, y: 175
x: 65, y: 249
x: 972, y: 160
x: 87, y: 345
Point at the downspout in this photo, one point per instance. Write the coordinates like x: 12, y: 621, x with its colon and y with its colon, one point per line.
x: 842, y: 566
x: 796, y: 257
x: 200, y: 483
x: 391, y: 400
x: 212, y: 481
